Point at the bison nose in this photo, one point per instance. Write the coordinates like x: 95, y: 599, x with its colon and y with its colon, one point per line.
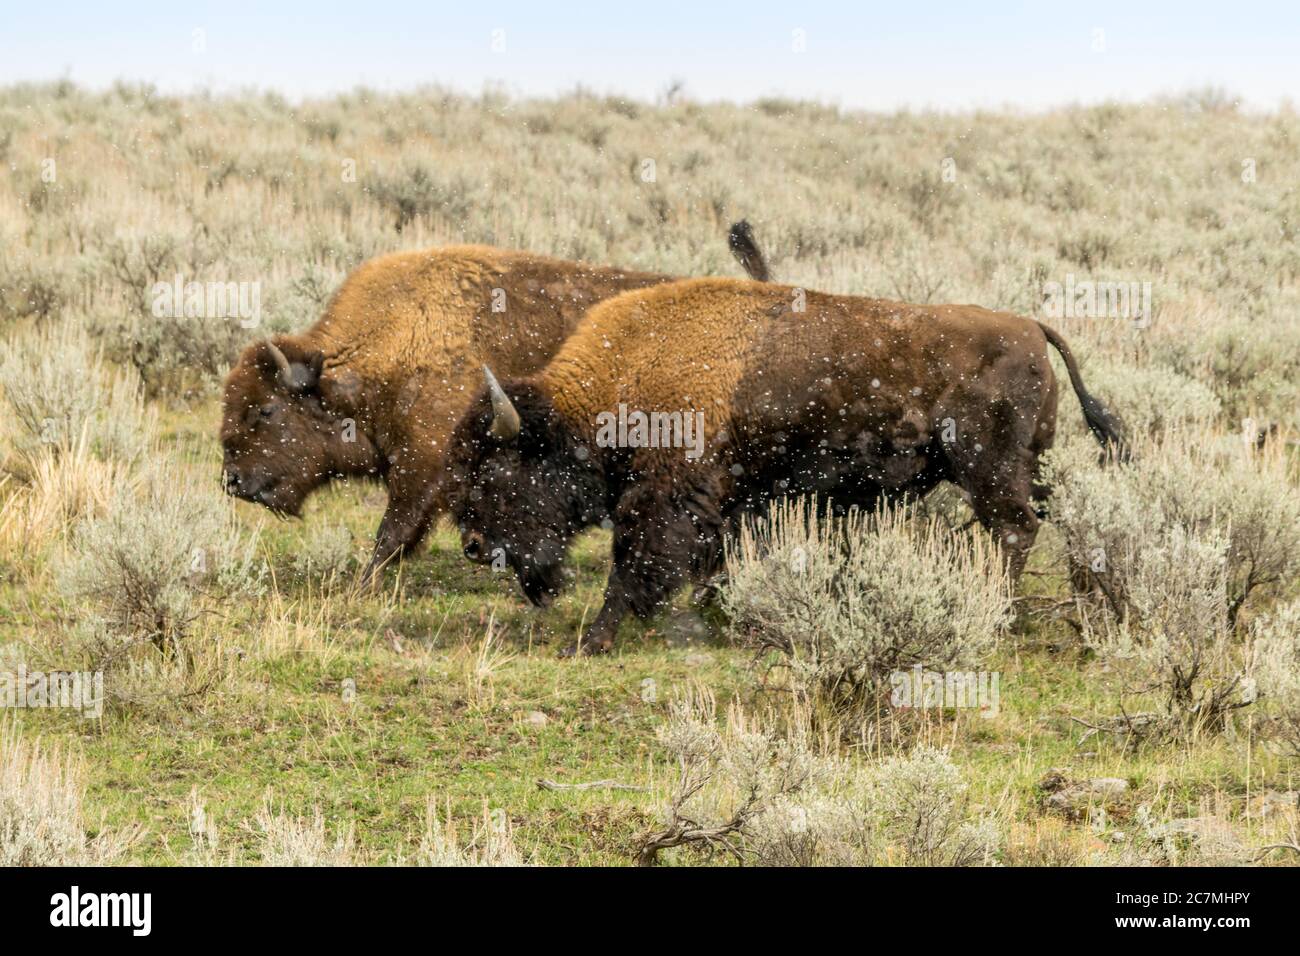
x: 243, y: 486
x: 475, y: 546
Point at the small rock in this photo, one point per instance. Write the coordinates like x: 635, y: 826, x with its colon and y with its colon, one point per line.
x: 537, y: 718
x: 1274, y: 801
x: 1073, y: 798
x: 1108, y: 786
x: 1215, y: 840
x: 1189, y: 825
x: 1053, y: 781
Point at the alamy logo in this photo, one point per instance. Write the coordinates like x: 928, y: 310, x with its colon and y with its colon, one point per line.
x: 208, y: 300
x: 637, y: 429
x: 103, y: 909
x: 1098, y: 300
x: 73, y: 690
x: 919, y: 688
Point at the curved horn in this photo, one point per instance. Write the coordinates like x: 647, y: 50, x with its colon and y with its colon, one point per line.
x: 505, y: 420
x: 284, y: 374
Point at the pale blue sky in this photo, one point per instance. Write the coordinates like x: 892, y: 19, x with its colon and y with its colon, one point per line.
x: 874, y: 55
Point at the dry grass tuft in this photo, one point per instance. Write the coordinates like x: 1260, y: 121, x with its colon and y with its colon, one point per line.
x: 846, y: 603
x: 42, y: 821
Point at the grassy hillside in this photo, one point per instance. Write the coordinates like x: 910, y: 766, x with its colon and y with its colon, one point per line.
x: 289, y: 717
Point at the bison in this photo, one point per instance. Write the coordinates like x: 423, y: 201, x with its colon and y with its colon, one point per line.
x: 848, y: 399
x: 374, y: 388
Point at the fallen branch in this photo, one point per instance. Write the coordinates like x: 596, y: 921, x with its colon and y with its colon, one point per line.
x: 1135, y: 726
x: 683, y: 832
x: 593, y: 785
x: 1265, y: 851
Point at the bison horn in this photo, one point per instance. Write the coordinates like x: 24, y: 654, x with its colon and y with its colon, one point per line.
x: 297, y: 378
x: 505, y: 420
x: 284, y: 372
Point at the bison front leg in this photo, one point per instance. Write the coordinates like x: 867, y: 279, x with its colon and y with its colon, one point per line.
x: 661, y: 540
x: 413, y: 504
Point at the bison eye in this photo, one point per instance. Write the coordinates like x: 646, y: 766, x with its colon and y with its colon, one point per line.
x: 267, y: 411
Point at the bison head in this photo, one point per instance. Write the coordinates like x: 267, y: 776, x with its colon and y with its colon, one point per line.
x: 280, y: 435
x: 522, y: 485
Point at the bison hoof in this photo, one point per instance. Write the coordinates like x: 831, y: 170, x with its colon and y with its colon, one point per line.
x: 586, y: 648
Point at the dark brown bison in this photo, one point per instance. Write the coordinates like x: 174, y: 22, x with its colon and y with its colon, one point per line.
x: 374, y: 388
x: 848, y: 399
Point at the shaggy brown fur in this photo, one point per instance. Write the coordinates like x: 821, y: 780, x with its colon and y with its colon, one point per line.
x: 376, y: 385
x: 849, y: 399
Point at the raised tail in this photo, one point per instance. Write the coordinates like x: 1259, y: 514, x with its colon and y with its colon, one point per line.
x: 745, y: 248
x: 1103, y: 425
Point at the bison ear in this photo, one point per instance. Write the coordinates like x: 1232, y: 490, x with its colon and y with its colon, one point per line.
x: 314, y: 365
x: 297, y: 375
x: 341, y: 389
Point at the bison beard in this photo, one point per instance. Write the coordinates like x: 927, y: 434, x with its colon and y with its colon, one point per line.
x: 854, y: 401
x: 529, y: 526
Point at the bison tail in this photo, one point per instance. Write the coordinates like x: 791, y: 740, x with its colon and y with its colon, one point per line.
x: 745, y: 248
x: 1103, y: 425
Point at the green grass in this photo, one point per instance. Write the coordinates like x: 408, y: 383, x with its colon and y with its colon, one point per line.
x: 425, y: 726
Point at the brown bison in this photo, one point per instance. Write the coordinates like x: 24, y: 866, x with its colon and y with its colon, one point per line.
x: 375, y: 387
x: 673, y: 410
